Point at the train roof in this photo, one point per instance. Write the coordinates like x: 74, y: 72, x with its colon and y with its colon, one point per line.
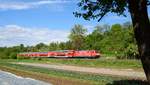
x: 32, y: 52
x: 55, y: 51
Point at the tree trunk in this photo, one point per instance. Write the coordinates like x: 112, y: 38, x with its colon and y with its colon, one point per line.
x: 141, y: 25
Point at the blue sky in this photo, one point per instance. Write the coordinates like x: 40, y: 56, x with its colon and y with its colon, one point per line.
x: 34, y: 21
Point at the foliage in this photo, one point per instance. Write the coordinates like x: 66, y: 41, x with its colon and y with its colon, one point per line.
x: 97, y: 9
x: 77, y: 36
x: 116, y: 40
x: 131, y: 52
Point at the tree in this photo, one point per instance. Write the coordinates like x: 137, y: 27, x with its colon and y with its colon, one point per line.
x: 41, y: 46
x: 69, y: 45
x: 92, y: 40
x: 62, y: 46
x: 112, y: 42
x: 54, y: 46
x: 77, y: 36
x: 22, y: 48
x: 97, y: 9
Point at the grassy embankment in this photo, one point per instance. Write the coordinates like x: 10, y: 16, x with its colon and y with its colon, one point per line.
x: 105, y: 63
x: 59, y: 77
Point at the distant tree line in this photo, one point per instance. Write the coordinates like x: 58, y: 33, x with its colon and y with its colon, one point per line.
x: 116, y: 40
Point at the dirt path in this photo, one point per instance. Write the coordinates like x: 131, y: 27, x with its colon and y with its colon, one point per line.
x: 106, y: 71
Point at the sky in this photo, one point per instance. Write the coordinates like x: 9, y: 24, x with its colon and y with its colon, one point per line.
x: 30, y: 22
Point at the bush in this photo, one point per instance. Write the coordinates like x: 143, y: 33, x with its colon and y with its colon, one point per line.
x: 120, y: 56
x: 22, y: 57
x: 13, y: 56
x: 131, y: 52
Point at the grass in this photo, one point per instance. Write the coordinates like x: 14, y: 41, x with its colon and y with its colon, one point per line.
x: 106, y: 63
x: 76, y: 78
x: 43, y: 77
x: 90, y: 78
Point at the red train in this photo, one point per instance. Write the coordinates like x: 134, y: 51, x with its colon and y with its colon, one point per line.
x: 62, y: 54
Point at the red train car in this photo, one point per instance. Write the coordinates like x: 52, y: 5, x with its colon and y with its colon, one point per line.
x: 63, y: 54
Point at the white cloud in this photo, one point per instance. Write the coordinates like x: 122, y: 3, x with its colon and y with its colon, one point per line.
x: 11, y: 35
x: 89, y: 28
x: 26, y: 5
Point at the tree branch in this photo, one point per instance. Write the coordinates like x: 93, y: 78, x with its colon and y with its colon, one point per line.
x: 148, y: 2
